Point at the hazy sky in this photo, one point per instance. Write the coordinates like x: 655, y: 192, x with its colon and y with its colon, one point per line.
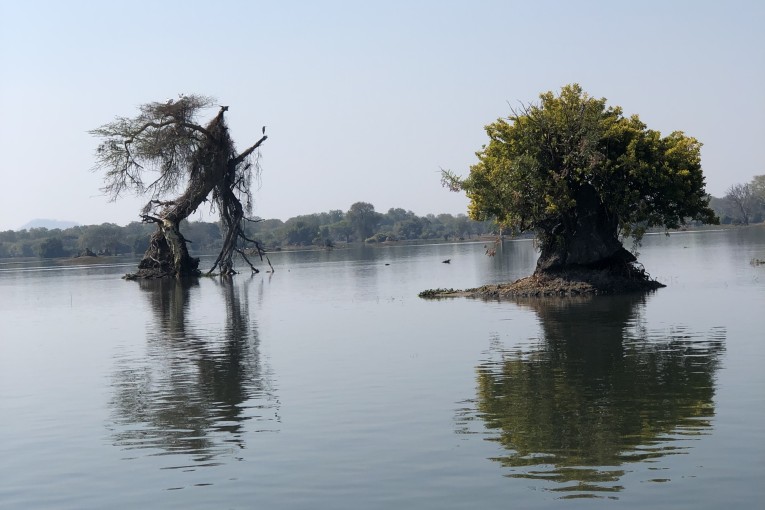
x: 364, y: 100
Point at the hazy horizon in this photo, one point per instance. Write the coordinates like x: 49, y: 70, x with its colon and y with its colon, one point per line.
x: 362, y: 101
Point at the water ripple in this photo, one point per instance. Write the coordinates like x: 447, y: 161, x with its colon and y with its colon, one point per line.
x: 195, y: 392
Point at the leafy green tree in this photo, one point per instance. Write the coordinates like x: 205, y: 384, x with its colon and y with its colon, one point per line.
x: 104, y: 238
x: 267, y: 232
x: 363, y: 219
x: 140, y: 245
x: 265, y: 225
x: 579, y: 174
x: 462, y: 226
x: 397, y: 214
x: 22, y: 249
x: 758, y: 192
x: 431, y: 227
x: 205, y: 237
x: 8, y: 236
x: 42, y: 232
x: 52, y: 248
x: 302, y: 233
x: 410, y: 228
x: 324, y: 239
x: 341, y: 230
x: 333, y: 216
x: 758, y: 187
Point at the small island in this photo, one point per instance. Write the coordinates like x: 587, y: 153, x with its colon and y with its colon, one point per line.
x: 581, y: 177
x: 568, y: 283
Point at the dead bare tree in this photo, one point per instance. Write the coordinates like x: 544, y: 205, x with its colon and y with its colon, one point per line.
x: 743, y: 199
x: 165, y: 140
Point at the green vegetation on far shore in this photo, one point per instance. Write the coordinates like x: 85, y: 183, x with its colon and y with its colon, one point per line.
x: 320, y: 230
x: 361, y: 223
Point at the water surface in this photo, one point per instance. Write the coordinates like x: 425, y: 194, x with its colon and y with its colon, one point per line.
x: 329, y: 384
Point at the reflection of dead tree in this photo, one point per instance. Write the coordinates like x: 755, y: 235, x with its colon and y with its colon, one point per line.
x: 166, y: 138
x: 196, y: 388
x: 492, y: 250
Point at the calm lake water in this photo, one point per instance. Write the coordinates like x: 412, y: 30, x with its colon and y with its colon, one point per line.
x: 330, y: 384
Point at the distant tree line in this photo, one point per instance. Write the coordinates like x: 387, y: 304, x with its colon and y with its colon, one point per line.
x: 742, y: 204
x: 104, y: 239
x: 361, y: 223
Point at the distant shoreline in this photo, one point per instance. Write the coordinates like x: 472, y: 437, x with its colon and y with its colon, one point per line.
x: 84, y: 259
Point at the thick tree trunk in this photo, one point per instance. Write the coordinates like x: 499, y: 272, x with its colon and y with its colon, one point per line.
x: 167, y: 255
x: 591, y: 241
x: 217, y: 172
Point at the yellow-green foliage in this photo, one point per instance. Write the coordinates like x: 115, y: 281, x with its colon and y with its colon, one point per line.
x: 538, y: 159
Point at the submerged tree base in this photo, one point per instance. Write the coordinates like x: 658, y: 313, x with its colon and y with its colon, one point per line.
x: 572, y: 281
x: 166, y: 257
x: 166, y: 138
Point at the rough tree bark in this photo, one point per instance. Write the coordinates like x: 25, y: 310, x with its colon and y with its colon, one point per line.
x: 591, y: 241
x: 166, y: 137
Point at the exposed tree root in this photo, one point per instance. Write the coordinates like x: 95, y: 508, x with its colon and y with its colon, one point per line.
x: 165, y: 136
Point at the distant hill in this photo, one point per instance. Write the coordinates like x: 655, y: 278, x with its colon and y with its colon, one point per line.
x: 49, y: 224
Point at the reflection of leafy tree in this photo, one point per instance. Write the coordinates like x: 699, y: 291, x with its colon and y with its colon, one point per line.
x: 190, y: 393
x: 600, y: 392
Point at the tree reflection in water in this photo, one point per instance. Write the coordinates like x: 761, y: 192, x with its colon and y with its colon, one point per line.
x: 599, y: 392
x: 195, y: 387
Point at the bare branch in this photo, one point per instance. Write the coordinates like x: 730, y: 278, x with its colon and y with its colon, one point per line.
x: 249, y: 151
x: 167, y: 138
x: 253, y: 268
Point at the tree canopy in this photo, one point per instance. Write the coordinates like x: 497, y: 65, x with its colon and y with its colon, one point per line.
x: 363, y: 219
x: 581, y: 175
x: 167, y: 142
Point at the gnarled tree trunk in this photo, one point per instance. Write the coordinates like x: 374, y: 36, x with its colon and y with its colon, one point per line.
x: 215, y: 173
x: 165, y: 138
x: 590, y: 241
x: 167, y: 255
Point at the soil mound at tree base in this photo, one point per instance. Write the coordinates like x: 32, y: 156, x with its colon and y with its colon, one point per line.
x: 569, y: 282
